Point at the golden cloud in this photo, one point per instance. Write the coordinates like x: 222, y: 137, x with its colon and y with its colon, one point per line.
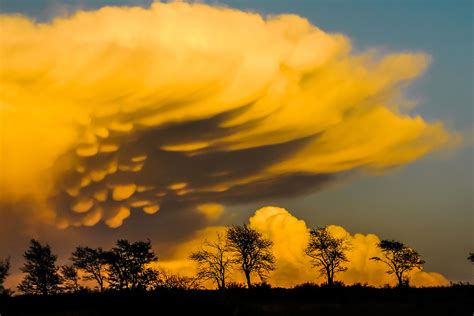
x: 211, y: 211
x: 122, y: 108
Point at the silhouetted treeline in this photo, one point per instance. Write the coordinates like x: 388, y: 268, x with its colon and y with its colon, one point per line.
x: 131, y: 266
x: 4, y: 270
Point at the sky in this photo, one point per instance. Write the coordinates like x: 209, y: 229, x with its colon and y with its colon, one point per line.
x: 355, y: 160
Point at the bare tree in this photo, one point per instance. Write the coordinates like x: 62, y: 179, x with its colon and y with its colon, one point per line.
x: 251, y: 251
x: 41, y: 271
x: 400, y: 259
x: 92, y: 262
x: 327, y: 253
x: 213, y: 261
x: 4, y: 272
x: 70, y: 278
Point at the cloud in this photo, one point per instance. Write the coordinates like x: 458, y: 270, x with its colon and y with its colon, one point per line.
x: 109, y: 112
x: 212, y: 211
x: 290, y: 236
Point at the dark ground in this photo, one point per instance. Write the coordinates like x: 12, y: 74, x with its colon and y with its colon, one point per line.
x: 455, y: 300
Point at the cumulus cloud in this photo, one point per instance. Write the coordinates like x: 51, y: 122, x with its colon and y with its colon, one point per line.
x: 122, y: 109
x: 290, y: 237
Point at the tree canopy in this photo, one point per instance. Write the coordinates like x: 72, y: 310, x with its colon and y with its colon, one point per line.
x: 92, y: 262
x: 4, y: 272
x: 41, y: 272
x: 251, y: 251
x: 400, y: 259
x: 327, y: 252
x: 127, y: 264
x: 70, y: 278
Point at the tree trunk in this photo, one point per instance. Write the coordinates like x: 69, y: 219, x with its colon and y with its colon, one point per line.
x: 330, y: 278
x: 400, y: 280
x: 247, y: 276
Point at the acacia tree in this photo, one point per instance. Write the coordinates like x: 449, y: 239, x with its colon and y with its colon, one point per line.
x: 4, y: 272
x: 127, y: 264
x: 251, y: 251
x: 400, y: 259
x: 471, y: 257
x: 70, y: 278
x: 213, y: 261
x: 327, y: 252
x: 41, y: 271
x: 92, y: 262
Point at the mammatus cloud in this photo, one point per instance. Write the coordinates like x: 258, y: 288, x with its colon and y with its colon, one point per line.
x: 111, y: 111
x: 290, y: 237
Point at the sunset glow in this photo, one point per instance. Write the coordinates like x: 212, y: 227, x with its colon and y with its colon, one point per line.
x: 297, y: 149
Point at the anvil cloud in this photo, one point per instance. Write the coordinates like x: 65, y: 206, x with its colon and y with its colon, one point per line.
x: 188, y: 106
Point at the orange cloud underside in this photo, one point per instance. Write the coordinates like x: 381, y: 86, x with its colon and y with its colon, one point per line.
x: 68, y: 85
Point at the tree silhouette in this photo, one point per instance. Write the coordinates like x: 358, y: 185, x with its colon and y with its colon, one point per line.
x: 327, y: 253
x: 400, y: 259
x: 70, y: 278
x: 252, y: 251
x: 127, y: 264
x: 4, y: 272
x: 92, y: 262
x: 213, y: 261
x: 171, y: 281
x: 471, y: 257
x: 41, y: 271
